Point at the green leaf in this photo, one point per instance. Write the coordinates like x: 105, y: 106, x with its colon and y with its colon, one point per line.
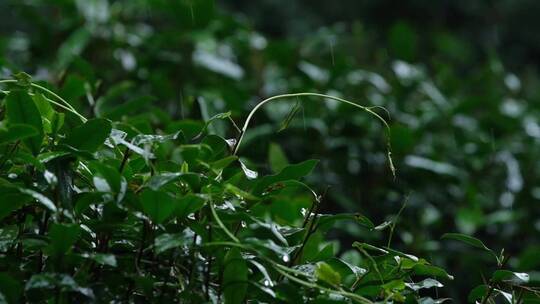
x: 11, y: 199
x: 8, y: 235
x: 90, y: 135
x: 45, y: 201
x: 223, y: 163
x: 326, y: 221
x: 477, y: 293
x: 63, y: 237
x: 425, y: 284
x: 48, y: 156
x: 429, y: 300
x: 240, y: 193
x: 72, y: 47
x: 325, y: 273
x: 294, y: 110
x: 158, y: 205
x: 514, y: 278
x: 168, y: 241
x: 345, y: 269
x: 226, y: 115
x: 469, y: 240
x: 292, y: 172
x: 235, y: 277
x: 277, y: 158
x: 44, y: 106
x: 21, y: 109
x: 17, y: 132
x: 11, y: 288
x: 54, y: 280
x: 52, y: 120
x: 189, y: 204
x: 23, y: 79
x: 429, y: 270
x: 101, y: 258
x: 108, y: 179
x: 465, y: 239
x: 250, y: 174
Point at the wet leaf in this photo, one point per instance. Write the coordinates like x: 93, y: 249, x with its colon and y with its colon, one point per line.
x: 158, y: 205
x: 235, y: 277
x: 21, y: 109
x: 90, y: 135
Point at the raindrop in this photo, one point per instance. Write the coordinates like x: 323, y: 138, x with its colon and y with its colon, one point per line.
x: 12, y: 175
x: 267, y: 283
x: 243, y: 224
x: 285, y: 258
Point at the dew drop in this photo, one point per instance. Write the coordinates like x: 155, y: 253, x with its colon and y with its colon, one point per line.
x: 285, y: 258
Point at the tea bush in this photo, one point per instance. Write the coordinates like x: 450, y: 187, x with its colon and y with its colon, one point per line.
x: 161, y: 210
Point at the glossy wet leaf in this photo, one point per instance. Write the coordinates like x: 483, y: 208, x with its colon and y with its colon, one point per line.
x: 16, y: 133
x: 11, y: 199
x: 90, y: 135
x: 52, y: 280
x: 44, y: 200
x: 291, y: 172
x: 10, y: 288
x: 250, y: 174
x: 108, y: 179
x: 235, y: 277
x: 276, y: 158
x: 478, y: 293
x: 168, y: 241
x: 21, y: 109
x: 429, y: 270
x: 326, y: 273
x: 62, y: 238
x: 470, y: 241
x: 158, y: 205
x: 466, y: 239
x: 102, y: 258
x: 189, y: 204
x: 424, y: 284
x: 514, y: 278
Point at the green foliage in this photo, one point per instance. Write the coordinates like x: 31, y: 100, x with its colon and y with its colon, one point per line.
x: 21, y: 109
x: 135, y: 184
x: 185, y: 214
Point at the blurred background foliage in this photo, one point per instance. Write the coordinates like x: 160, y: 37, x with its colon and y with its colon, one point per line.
x: 459, y: 80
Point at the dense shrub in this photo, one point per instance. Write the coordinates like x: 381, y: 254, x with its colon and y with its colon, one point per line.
x: 103, y: 211
x: 462, y: 110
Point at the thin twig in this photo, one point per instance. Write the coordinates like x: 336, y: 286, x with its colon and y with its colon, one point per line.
x: 394, y: 222
x: 491, y: 285
x: 124, y: 159
x: 284, y: 96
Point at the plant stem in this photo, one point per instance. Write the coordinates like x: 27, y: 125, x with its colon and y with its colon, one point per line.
x: 220, y: 223
x: 124, y: 159
x: 209, y: 265
x: 394, y: 222
x: 141, y: 247
x: 284, y: 96
x: 491, y: 285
